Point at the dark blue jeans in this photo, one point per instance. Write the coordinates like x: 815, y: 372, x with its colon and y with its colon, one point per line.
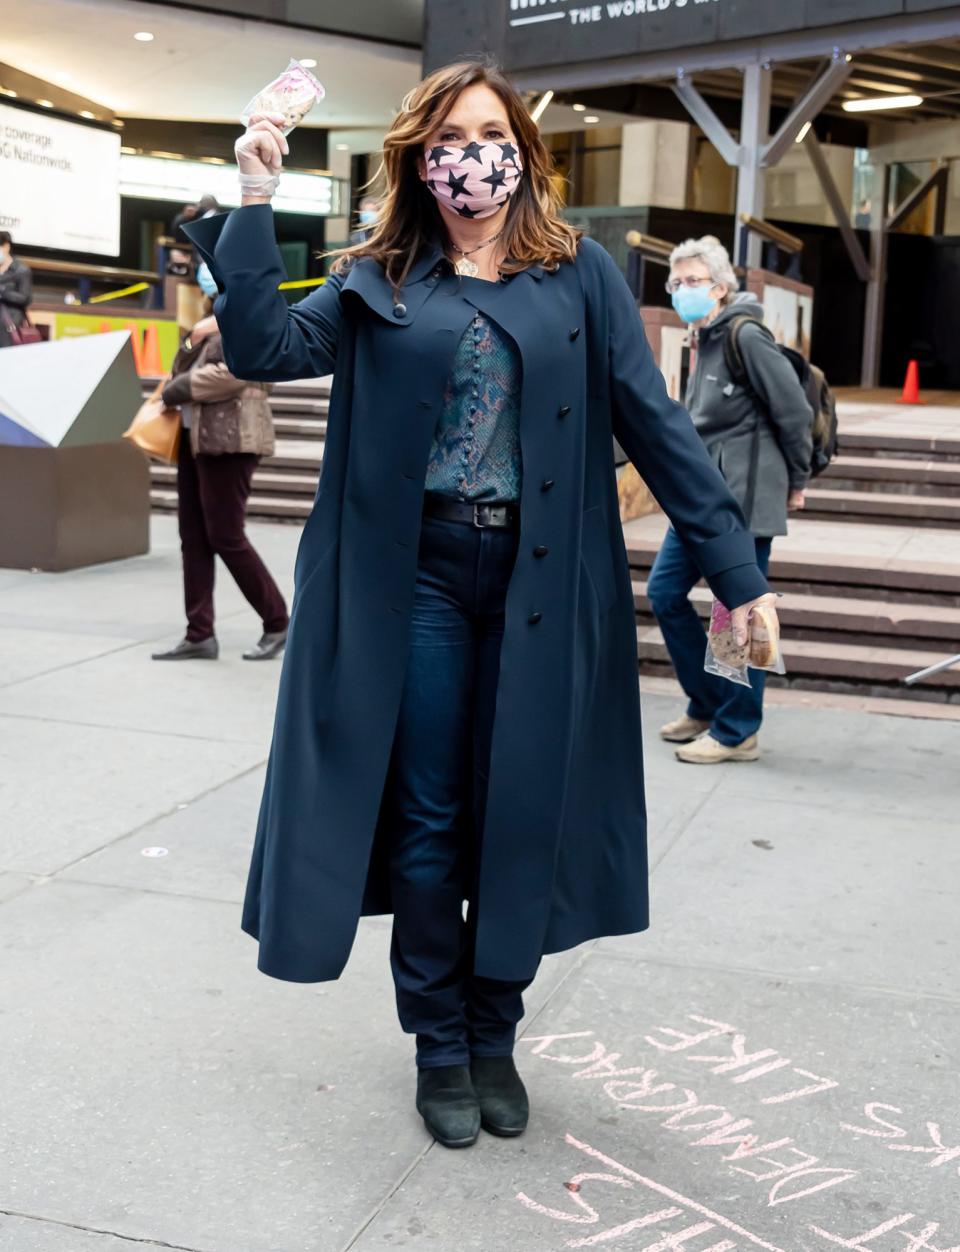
x: 734, y: 712
x: 435, y: 796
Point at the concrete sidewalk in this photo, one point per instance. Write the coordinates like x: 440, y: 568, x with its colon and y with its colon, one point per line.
x: 774, y: 1065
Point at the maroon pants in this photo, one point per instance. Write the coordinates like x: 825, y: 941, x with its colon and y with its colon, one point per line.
x: 212, y: 496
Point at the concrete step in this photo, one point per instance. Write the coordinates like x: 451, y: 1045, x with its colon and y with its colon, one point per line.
x: 272, y: 508
x: 833, y: 667
x: 265, y: 481
x: 844, y: 620
x: 881, y: 443
x: 884, y: 506
x: 823, y: 572
x: 299, y: 427
x: 920, y: 475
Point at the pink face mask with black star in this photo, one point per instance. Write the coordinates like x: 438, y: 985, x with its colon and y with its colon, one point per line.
x: 473, y: 179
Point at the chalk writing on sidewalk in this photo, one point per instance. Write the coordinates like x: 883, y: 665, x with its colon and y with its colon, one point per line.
x: 786, y: 1172
x: 675, y: 1221
x: 875, y: 1240
x: 686, y: 1219
x: 790, y: 1172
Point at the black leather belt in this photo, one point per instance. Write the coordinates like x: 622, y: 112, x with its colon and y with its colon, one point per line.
x: 484, y: 516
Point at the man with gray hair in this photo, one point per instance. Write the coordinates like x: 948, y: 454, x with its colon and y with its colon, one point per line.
x: 758, y: 430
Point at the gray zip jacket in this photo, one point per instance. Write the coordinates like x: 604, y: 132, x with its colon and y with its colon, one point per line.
x: 726, y: 416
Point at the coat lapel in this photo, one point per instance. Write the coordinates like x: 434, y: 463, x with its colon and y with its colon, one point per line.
x: 366, y: 281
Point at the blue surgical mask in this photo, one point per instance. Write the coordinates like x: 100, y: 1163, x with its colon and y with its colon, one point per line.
x: 205, y: 280
x: 368, y: 217
x: 693, y: 304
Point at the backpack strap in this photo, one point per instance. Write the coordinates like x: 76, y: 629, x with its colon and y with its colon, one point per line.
x: 733, y: 352
x: 733, y: 358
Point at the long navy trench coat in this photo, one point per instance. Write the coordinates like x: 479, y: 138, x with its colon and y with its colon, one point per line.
x: 564, y: 845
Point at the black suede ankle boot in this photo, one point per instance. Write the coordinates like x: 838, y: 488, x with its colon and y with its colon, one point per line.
x: 504, y: 1107
x: 448, y: 1105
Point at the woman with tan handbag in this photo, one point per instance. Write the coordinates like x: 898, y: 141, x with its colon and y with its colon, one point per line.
x: 227, y: 428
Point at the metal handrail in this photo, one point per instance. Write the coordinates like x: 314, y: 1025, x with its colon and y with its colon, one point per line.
x: 783, y: 239
x: 78, y: 269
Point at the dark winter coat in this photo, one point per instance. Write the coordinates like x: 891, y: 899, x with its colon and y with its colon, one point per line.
x: 731, y: 415
x: 228, y: 414
x: 16, y: 294
x: 564, y: 843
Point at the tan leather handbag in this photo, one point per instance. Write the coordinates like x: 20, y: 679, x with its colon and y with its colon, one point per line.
x: 156, y: 429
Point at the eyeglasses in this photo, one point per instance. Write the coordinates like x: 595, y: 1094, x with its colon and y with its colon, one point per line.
x: 674, y: 284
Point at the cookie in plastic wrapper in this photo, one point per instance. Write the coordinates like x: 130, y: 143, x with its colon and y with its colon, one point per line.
x: 293, y: 93
x: 732, y: 660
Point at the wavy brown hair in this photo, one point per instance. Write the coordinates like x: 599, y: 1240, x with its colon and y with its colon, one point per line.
x: 533, y: 234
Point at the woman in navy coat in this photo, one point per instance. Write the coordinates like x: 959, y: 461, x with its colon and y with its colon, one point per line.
x: 458, y: 716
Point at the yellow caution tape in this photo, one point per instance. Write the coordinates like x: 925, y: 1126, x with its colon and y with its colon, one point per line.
x: 115, y: 295
x: 302, y: 282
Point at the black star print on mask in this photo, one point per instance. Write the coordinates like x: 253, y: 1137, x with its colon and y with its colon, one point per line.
x: 436, y: 154
x: 496, y: 179
x: 457, y: 185
x: 465, y: 211
x: 472, y: 152
x: 509, y: 152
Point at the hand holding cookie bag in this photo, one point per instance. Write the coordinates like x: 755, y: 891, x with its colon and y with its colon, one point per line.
x: 729, y: 658
x: 155, y: 428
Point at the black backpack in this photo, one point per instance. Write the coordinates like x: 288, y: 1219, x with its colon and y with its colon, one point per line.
x: 820, y: 397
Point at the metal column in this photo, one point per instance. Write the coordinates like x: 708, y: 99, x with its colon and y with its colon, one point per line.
x: 754, y: 133
x: 873, y: 309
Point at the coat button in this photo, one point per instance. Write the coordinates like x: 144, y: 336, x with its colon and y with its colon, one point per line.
x: 534, y: 618
x: 564, y: 410
x: 399, y: 310
x: 547, y: 484
x: 574, y: 334
x: 540, y: 550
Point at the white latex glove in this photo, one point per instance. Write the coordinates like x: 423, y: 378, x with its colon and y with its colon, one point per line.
x: 262, y: 146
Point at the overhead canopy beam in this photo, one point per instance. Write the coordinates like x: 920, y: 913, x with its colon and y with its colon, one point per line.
x: 817, y: 96
x: 707, y: 120
x: 837, y: 207
x: 903, y: 30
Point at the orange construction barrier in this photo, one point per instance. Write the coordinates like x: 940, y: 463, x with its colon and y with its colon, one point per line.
x: 151, y: 363
x: 911, y: 385
x: 136, y: 345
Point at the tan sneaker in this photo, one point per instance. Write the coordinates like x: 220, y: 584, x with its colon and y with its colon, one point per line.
x: 709, y: 751
x: 683, y: 730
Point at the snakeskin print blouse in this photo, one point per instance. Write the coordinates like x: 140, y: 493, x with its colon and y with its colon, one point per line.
x: 476, y: 447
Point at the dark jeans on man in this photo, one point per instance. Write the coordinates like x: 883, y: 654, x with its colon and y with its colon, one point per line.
x: 435, y: 797
x: 735, y: 712
x: 212, y: 494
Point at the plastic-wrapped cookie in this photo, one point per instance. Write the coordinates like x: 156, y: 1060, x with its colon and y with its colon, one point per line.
x: 292, y: 94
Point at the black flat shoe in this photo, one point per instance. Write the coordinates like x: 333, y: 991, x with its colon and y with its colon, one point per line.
x: 267, y: 646
x: 191, y: 650
x: 504, y: 1107
x: 448, y: 1105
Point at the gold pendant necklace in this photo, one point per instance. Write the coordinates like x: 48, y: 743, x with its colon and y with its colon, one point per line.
x: 467, y: 268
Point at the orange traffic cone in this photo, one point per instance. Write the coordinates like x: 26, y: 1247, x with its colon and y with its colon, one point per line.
x: 136, y: 345
x: 152, y: 365
x: 911, y: 385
